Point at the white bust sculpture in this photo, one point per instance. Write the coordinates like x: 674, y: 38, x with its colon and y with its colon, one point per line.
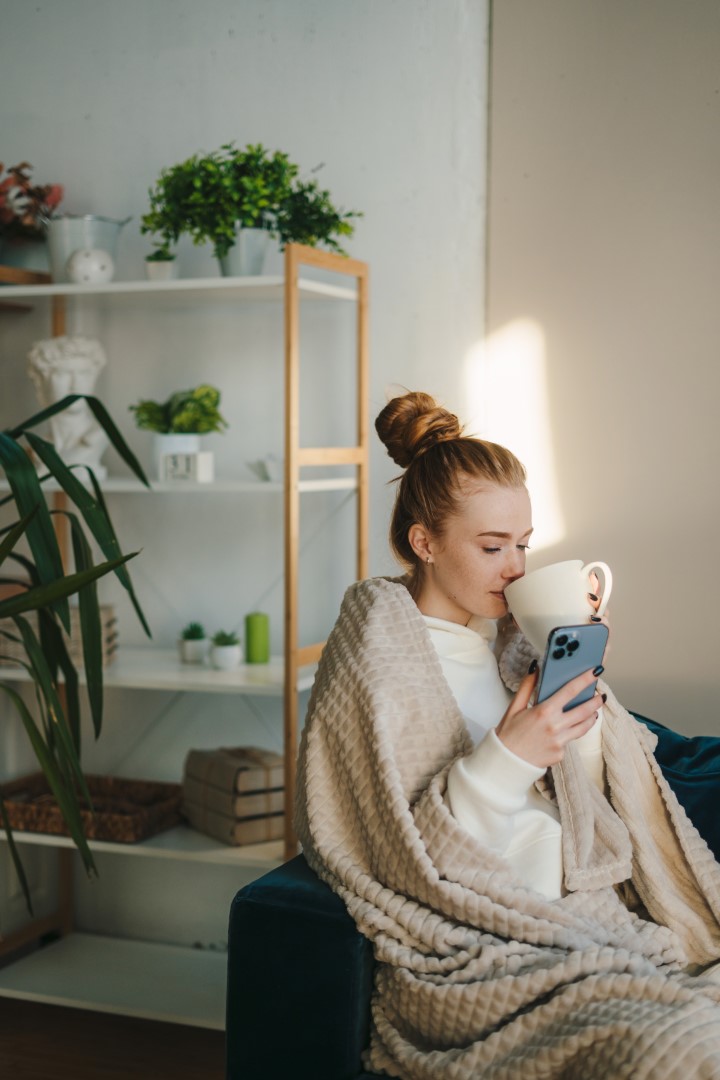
x: 70, y: 365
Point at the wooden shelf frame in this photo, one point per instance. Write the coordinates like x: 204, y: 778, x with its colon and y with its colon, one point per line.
x: 297, y: 256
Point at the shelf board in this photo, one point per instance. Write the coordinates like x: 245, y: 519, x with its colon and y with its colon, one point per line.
x: 183, y: 289
x: 147, y: 667
x: 171, y: 983
x: 121, y: 485
x: 181, y: 843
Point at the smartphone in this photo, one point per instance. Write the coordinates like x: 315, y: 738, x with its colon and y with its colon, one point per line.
x: 571, y: 650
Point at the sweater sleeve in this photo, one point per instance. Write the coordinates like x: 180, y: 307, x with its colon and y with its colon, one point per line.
x: 487, y: 788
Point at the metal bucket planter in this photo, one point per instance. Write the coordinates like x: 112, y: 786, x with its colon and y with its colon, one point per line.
x: 68, y: 232
x: 247, y: 255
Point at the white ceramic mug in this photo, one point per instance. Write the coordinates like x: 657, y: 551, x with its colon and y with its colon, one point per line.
x: 556, y: 595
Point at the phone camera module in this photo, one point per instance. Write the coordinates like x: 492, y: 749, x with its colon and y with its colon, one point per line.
x: 561, y: 639
x: 559, y: 653
x: 573, y: 646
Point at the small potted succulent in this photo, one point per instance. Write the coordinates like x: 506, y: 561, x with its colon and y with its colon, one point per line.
x: 179, y: 422
x: 160, y: 264
x: 226, y: 652
x: 194, y: 644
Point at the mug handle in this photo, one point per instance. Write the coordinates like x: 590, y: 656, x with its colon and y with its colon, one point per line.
x: 607, y: 582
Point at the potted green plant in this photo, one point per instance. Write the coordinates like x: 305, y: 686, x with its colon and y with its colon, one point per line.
x: 161, y: 264
x: 226, y: 652
x: 32, y: 567
x: 194, y: 644
x: 179, y: 422
x: 236, y: 199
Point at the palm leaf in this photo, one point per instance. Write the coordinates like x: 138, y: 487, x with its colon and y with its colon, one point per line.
x: 95, y: 515
x: 45, y: 595
x: 15, y: 857
x: 90, y: 626
x: 30, y: 500
x: 67, y: 800
x: 131, y: 592
x: 103, y: 418
x: 53, y: 645
x: 14, y: 532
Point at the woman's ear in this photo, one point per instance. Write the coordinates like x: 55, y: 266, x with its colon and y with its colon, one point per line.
x: 420, y: 542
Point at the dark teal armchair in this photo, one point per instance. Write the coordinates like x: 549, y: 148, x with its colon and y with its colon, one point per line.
x: 300, y: 974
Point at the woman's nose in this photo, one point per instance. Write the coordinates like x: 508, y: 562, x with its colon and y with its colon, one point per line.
x: 514, y: 568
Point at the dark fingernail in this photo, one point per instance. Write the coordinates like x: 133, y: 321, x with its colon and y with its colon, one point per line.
x: 598, y: 670
x: 595, y: 618
x: 593, y: 596
x: 533, y: 668
x: 604, y: 697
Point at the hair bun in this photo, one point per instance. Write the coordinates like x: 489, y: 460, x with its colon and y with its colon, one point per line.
x: 413, y: 423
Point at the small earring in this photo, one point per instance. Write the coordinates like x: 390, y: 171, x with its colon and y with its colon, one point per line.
x: 428, y: 560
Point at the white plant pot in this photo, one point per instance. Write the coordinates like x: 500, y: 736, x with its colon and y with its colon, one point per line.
x: 226, y: 657
x: 194, y: 650
x: 161, y: 270
x: 247, y: 256
x: 173, y: 444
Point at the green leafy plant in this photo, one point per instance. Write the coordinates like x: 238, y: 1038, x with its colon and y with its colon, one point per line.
x: 210, y: 196
x: 194, y: 631
x: 225, y: 637
x: 308, y: 216
x: 187, y: 411
x: 40, y: 587
x: 161, y: 254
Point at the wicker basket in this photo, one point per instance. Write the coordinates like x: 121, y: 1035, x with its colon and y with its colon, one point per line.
x: 125, y: 810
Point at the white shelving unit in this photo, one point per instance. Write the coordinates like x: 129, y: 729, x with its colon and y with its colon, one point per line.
x: 156, y: 980
x: 146, y: 667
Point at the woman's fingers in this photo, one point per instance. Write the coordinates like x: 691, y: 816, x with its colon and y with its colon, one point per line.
x: 525, y: 691
x: 570, y: 690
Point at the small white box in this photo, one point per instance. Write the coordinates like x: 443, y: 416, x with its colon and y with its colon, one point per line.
x: 199, y: 468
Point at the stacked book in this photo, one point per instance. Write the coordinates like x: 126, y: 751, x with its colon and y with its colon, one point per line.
x: 235, y: 794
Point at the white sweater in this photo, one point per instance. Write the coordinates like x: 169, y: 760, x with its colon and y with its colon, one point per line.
x: 491, y: 792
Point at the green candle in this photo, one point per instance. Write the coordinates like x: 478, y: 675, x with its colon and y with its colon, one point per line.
x: 257, y: 638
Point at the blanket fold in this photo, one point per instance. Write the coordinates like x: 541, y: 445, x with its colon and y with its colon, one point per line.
x: 477, y: 974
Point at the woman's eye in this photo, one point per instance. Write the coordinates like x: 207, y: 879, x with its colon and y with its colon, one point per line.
x: 491, y: 551
x: 524, y: 547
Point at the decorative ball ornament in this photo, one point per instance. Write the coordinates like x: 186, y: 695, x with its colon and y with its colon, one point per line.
x: 90, y: 266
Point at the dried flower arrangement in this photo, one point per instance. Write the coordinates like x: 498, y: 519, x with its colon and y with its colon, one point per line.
x: 25, y: 206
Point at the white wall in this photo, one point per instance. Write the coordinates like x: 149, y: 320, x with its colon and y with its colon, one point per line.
x: 603, y: 267
x: 391, y: 96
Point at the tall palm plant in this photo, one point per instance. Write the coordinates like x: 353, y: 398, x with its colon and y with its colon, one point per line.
x: 43, y: 585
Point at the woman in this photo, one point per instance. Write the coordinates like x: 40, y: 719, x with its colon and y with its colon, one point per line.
x: 538, y: 901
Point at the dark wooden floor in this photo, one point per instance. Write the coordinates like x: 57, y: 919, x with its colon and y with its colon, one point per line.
x: 47, y: 1042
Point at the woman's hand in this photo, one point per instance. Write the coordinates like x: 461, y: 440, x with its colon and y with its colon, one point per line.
x: 595, y: 601
x: 539, y: 733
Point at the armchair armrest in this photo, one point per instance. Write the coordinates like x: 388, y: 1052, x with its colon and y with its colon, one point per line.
x: 299, y: 981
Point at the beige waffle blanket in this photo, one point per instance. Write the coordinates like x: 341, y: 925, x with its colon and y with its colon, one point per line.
x: 477, y: 975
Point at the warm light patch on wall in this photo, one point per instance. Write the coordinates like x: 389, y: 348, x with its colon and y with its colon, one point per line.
x: 507, y: 403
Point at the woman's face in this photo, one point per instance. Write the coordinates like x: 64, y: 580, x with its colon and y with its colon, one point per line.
x: 481, y: 551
